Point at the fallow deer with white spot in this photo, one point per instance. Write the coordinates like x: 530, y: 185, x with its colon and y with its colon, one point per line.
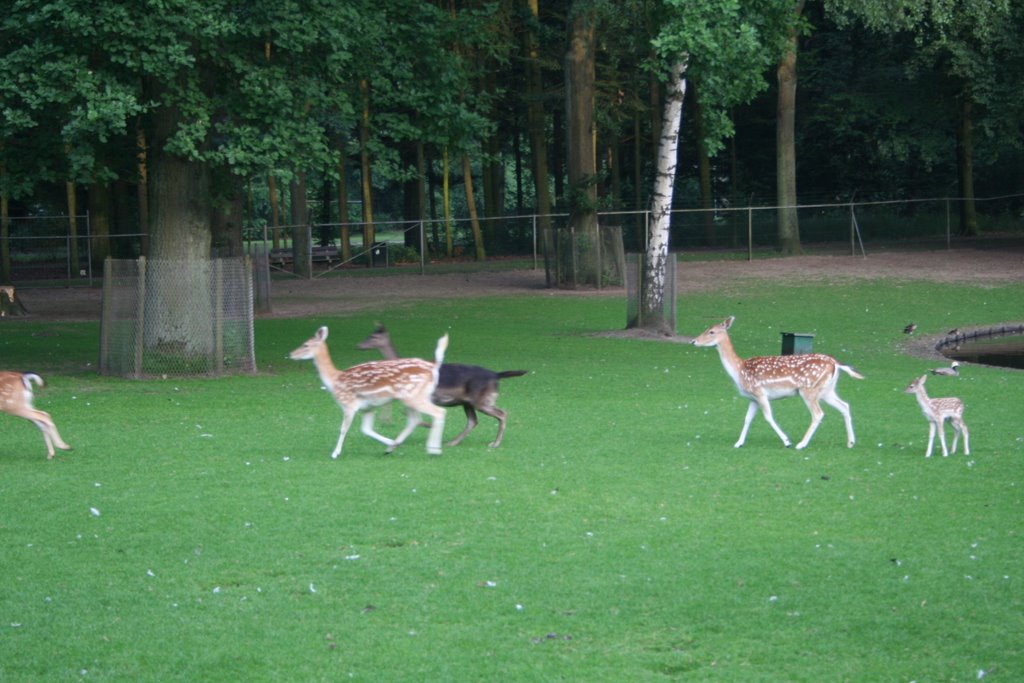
x: 763, y: 379
x: 16, y: 399
x: 937, y: 411
x: 368, y: 386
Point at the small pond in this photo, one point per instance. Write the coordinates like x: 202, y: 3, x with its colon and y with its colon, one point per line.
x: 1002, y: 346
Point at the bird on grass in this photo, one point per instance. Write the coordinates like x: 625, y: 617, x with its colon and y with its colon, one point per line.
x: 909, y: 329
x: 951, y: 371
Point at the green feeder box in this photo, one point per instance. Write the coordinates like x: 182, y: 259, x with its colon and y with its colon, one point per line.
x: 796, y: 342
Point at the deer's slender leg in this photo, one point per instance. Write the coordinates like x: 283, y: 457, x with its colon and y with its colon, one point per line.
x: 766, y: 408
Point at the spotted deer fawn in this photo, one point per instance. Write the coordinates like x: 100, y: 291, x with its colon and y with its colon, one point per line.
x: 471, y: 386
x: 937, y: 411
x: 763, y: 379
x: 16, y: 399
x: 368, y: 386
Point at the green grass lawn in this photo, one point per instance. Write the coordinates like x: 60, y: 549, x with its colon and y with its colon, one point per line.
x: 200, y: 531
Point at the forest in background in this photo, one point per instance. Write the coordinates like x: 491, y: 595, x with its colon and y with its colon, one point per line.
x: 188, y: 121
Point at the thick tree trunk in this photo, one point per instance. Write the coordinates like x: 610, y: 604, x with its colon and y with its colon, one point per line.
x: 789, y: 227
x: 654, y: 277
x: 178, y: 313
x: 581, y: 246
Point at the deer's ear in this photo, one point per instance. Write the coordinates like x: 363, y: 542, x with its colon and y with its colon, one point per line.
x: 321, y: 334
x: 729, y: 321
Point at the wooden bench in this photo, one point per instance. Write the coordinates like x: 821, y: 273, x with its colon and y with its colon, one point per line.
x: 285, y: 256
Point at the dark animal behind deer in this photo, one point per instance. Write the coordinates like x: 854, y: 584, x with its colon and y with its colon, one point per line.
x: 471, y: 386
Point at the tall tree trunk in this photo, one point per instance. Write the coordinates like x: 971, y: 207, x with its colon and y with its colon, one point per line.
x: 654, y: 278
x: 537, y: 129
x: 789, y: 227
x: 100, y: 218
x: 583, y: 243
x: 965, y: 168
x: 474, y: 219
x: 301, y: 234
x: 178, y: 313
x: 179, y: 202
x: 71, y: 190
x: 365, y: 166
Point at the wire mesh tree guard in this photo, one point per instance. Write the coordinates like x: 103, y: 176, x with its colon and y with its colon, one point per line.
x: 177, y: 318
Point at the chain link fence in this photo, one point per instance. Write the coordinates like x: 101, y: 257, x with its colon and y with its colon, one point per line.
x: 177, y: 318
x: 40, y: 250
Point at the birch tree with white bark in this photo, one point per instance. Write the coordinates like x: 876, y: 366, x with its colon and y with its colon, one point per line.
x: 728, y: 49
x: 655, y: 267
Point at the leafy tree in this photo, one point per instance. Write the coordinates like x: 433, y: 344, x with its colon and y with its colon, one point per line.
x: 976, y: 49
x: 728, y: 51
x: 215, y: 87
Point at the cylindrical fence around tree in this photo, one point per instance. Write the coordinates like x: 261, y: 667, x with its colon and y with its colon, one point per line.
x: 177, y: 318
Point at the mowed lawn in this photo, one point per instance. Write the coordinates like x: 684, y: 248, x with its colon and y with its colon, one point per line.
x: 200, y: 531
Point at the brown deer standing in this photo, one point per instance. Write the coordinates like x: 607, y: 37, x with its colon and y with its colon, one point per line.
x: 370, y: 385
x: 471, y: 386
x: 937, y: 411
x: 763, y: 379
x: 16, y: 399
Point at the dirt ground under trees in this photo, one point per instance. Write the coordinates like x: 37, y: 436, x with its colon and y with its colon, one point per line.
x: 333, y: 295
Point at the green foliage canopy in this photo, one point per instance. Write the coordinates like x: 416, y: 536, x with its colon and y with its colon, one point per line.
x: 258, y: 87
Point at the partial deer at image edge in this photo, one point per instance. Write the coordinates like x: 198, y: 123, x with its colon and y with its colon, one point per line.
x: 16, y: 399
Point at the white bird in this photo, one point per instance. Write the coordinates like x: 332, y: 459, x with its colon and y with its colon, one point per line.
x: 951, y: 371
